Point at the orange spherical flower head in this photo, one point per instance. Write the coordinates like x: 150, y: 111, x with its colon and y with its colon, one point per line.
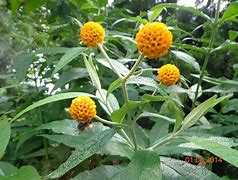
x: 154, y: 40
x: 92, y: 33
x: 168, y: 74
x: 83, y: 109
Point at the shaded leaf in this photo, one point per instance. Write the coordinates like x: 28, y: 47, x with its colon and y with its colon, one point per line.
x: 187, y: 59
x: 180, y: 170
x: 67, y: 76
x: 25, y: 172
x: 4, y: 136
x: 145, y: 164
x: 21, y: 63
x: 90, y: 147
x: 104, y: 171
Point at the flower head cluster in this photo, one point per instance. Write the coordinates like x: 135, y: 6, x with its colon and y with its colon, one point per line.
x: 92, y: 33
x: 168, y: 74
x: 82, y: 108
x: 154, y: 40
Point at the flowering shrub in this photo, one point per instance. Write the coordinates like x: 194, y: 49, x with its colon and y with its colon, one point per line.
x: 120, y: 97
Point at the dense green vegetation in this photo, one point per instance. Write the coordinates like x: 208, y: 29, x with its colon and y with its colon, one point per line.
x: 143, y: 129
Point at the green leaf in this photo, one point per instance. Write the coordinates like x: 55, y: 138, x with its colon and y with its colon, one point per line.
x: 15, y: 4
x: 7, y: 169
x: 21, y: 63
x: 232, y: 105
x: 233, y: 35
x: 90, y: 147
x: 32, y: 5
x: 51, y: 99
x: 4, y: 136
x: 67, y: 76
x: 187, y: 59
x: 140, y: 80
x: 53, y: 50
x: 228, y: 154
x: 180, y: 170
x: 66, y: 126
x: 145, y: 164
x: 185, y: 8
x: 177, y: 111
x: 25, y: 172
x: 104, y: 171
x: 155, y: 13
x: 150, y: 98
x: 114, y: 85
x: 149, y: 114
x: 70, y: 55
x: 92, y: 73
x: 200, y: 110
x: 118, y: 115
x: 110, y: 103
x: 120, y: 67
x: 227, y: 45
x: 101, y: 3
x: 230, y: 13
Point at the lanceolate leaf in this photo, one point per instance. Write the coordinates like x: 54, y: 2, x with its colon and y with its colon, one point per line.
x: 230, y: 13
x: 228, y: 154
x: 189, y: 9
x: 4, y: 136
x: 145, y: 164
x: 92, y: 73
x: 187, y: 59
x: 180, y: 170
x: 200, y: 110
x: 50, y: 99
x: 68, y: 57
x: 105, y: 172
x: 90, y: 147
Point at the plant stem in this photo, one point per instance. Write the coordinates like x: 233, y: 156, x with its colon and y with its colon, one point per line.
x: 110, y: 122
x: 133, y: 68
x: 164, y: 141
x: 127, y: 138
x: 207, y: 53
x: 109, y: 61
x: 132, y: 129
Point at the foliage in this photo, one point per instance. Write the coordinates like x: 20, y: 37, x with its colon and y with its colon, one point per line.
x: 146, y: 130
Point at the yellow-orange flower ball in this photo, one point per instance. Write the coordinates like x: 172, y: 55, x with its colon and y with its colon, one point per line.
x: 154, y: 40
x: 168, y: 74
x: 92, y: 33
x: 83, y: 108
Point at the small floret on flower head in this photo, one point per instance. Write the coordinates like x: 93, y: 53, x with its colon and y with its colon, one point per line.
x: 168, y: 74
x: 92, y: 33
x: 154, y: 40
x: 83, y: 109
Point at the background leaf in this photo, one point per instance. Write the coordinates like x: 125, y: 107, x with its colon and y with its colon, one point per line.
x: 70, y: 55
x: 144, y: 165
x: 4, y: 136
x: 228, y: 154
x: 90, y: 147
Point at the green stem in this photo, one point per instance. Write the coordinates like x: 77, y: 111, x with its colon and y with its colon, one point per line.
x: 142, y: 109
x: 127, y: 138
x: 109, y: 61
x: 133, y: 68
x: 164, y: 141
x: 208, y: 52
x: 132, y: 128
x: 110, y: 122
